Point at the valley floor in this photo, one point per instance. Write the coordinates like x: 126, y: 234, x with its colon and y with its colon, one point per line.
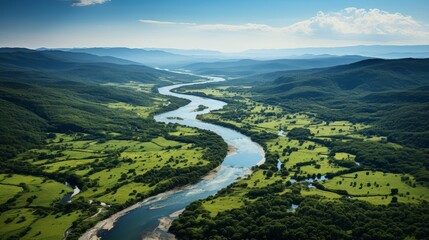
x: 307, y: 159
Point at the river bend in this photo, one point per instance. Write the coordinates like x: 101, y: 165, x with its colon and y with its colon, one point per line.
x: 143, y: 221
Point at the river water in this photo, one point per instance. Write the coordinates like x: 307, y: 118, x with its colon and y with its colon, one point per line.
x: 143, y: 221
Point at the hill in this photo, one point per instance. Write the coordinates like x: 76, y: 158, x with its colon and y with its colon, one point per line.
x: 377, y: 51
x: 48, y: 91
x: 154, y: 58
x: 247, y: 67
x: 80, y: 67
x: 65, y: 56
x: 390, y: 94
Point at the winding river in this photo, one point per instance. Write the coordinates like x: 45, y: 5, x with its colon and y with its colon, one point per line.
x: 143, y: 222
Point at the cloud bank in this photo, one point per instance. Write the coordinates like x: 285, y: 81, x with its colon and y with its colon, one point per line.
x: 83, y: 3
x: 354, y: 21
x: 349, y: 23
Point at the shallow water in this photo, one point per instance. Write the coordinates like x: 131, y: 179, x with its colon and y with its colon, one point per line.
x: 144, y: 220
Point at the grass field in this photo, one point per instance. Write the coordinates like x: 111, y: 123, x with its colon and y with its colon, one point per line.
x: 237, y: 197
x: 344, y: 156
x: 15, y: 221
x: 42, y: 190
x: 316, y: 192
x: 51, y: 227
x: 376, y: 187
x: 261, y: 118
x: 114, y: 185
x: 8, y: 191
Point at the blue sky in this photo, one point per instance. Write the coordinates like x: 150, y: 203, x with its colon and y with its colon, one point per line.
x: 226, y: 25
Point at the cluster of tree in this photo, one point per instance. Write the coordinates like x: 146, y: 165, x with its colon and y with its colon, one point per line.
x: 299, y: 133
x: 270, y: 218
x: 387, y: 158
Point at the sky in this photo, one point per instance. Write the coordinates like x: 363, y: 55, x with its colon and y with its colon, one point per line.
x: 224, y: 25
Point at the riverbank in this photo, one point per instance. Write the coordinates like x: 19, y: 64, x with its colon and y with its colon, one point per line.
x: 165, y: 222
x: 231, y: 151
x: 109, y: 223
x: 106, y: 224
x: 262, y: 151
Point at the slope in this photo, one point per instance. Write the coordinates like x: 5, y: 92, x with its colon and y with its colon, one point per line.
x: 41, y: 92
x: 391, y: 94
x: 247, y: 67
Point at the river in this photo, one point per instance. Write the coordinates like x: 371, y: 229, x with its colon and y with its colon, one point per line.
x: 143, y: 221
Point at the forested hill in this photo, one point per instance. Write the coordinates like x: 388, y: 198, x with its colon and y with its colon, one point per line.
x: 370, y: 75
x: 21, y: 56
x: 392, y: 95
x: 48, y: 91
x: 82, y: 67
x: 247, y: 67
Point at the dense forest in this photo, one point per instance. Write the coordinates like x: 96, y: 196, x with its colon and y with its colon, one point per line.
x: 271, y: 218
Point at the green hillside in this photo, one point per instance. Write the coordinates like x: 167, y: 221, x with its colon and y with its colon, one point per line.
x: 90, y: 125
x: 247, y: 67
x: 46, y: 91
x: 78, y: 67
x: 351, y: 160
x: 390, y: 94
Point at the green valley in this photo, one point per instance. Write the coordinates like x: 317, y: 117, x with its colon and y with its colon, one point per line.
x: 100, y: 138
x: 214, y: 120
x: 321, y: 160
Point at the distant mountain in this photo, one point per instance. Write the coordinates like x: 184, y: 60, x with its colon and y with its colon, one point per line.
x: 177, y: 58
x: 68, y: 57
x: 247, y: 67
x: 153, y: 58
x: 377, y: 51
x: 81, y: 67
x: 85, y: 57
x: 192, y: 52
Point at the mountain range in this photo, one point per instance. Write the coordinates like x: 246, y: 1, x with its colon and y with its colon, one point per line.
x: 247, y: 67
x: 176, y: 58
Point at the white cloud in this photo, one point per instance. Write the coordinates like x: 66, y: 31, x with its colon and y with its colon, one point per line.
x: 164, y: 22
x: 349, y: 23
x: 242, y: 27
x: 354, y: 21
x: 215, y: 27
x: 83, y: 3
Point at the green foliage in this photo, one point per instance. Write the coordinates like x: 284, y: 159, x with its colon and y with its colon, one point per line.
x: 384, y: 157
x: 392, y: 95
x: 270, y: 218
x: 389, y: 96
x: 299, y: 133
x: 47, y: 91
